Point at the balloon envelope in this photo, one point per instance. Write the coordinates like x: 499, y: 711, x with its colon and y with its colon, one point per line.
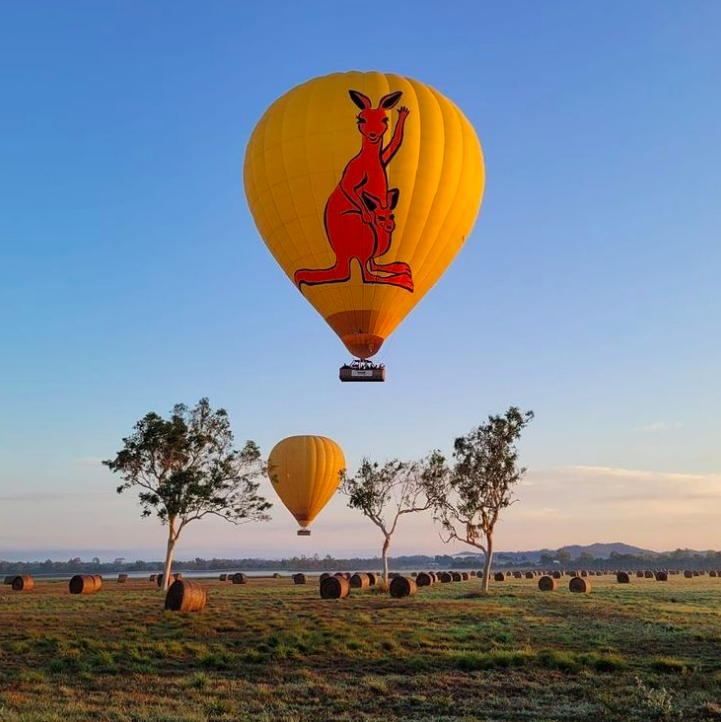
x: 305, y: 472
x: 364, y: 187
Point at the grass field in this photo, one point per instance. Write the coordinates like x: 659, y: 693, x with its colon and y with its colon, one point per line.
x: 273, y: 651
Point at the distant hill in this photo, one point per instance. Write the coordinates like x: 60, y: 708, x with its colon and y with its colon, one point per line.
x: 603, y: 551
x: 597, y: 550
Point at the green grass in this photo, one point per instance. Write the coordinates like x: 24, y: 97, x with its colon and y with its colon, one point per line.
x: 273, y: 651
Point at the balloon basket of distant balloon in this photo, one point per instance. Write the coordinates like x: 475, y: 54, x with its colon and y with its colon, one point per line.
x: 362, y: 370
x: 303, y: 532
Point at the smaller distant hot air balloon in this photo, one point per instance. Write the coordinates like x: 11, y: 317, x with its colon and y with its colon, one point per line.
x: 305, y: 472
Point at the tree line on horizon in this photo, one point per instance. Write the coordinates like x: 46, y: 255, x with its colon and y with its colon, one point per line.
x: 678, y: 559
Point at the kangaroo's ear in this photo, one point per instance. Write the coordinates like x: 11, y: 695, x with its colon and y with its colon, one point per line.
x: 388, y: 101
x: 369, y: 201
x: 362, y: 101
x: 393, y: 195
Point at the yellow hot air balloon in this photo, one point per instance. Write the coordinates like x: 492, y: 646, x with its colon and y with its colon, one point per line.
x: 305, y: 471
x: 364, y: 187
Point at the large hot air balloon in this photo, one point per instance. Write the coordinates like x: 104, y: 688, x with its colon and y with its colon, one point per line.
x: 364, y: 187
x: 305, y: 471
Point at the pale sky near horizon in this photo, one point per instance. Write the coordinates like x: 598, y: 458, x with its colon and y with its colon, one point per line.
x: 132, y: 276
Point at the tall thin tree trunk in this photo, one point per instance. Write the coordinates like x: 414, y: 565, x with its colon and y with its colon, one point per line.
x: 386, y: 544
x: 488, y: 562
x: 169, y: 554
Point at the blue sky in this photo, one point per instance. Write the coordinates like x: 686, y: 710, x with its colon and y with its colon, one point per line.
x: 132, y: 276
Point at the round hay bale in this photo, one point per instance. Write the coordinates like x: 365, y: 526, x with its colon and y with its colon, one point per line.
x: 579, y: 585
x: 648, y: 574
x: 23, y: 583
x: 360, y: 581
x: 547, y: 583
x: 623, y: 578
x: 639, y: 574
x: 556, y: 574
x: 445, y: 577
x: 335, y: 587
x: 414, y: 574
x: 434, y: 577
x: 9, y: 579
x: 517, y: 575
x: 277, y: 575
x: 456, y: 576
x: 695, y: 573
x: 465, y: 576
x: 372, y: 578
x: 98, y: 581
x: 239, y: 578
x: 340, y: 574
x: 324, y: 575
x: 599, y: 574
x: 223, y: 578
x: 499, y: 577
x: 186, y: 596
x: 122, y: 578
x: 299, y: 579
x: 84, y: 584
x: 584, y: 573
x: 472, y: 573
x: 508, y: 574
x: 152, y: 577
x: 712, y: 573
x: 661, y: 576
x: 529, y: 575
x: 688, y: 574
x: 424, y: 579
x: 402, y: 587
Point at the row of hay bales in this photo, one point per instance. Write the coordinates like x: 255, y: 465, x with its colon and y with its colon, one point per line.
x: 659, y: 576
x: 577, y: 585
x: 234, y: 578
x: 240, y: 578
x: 559, y: 573
x: 158, y: 578
x: 339, y: 585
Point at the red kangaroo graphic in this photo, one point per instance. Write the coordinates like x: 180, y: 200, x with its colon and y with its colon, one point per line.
x: 358, y: 217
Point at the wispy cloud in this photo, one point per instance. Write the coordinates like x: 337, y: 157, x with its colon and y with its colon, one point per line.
x: 638, y: 490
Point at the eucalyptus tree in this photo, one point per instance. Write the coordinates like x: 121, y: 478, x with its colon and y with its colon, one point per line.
x: 482, y: 482
x: 385, y: 493
x: 187, y: 468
